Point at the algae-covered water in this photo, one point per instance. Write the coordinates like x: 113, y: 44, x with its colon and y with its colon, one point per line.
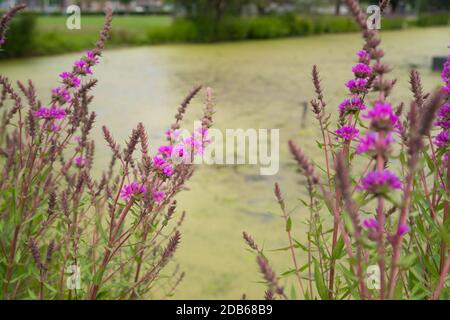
x: 257, y: 85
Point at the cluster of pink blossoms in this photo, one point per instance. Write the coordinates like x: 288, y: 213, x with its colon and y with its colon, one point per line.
x: 380, y: 182
x: 132, y: 190
x: 358, y: 88
x: 442, y: 140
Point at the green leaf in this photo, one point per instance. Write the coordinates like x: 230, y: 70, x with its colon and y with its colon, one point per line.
x: 320, y: 283
x: 289, y: 224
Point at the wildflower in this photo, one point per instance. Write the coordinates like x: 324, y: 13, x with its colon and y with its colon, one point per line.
x: 167, y: 170
x: 70, y: 80
x: 373, y: 142
x: 82, y: 67
x: 158, y: 162
x: 91, y: 58
x: 442, y: 139
x: 370, y: 223
x: 357, y: 86
x: 364, y: 56
x: 166, y: 151
x: 352, y: 105
x: 383, y: 117
x: 80, y: 162
x: 161, y: 164
x: 403, y: 229
x: 50, y: 113
x: 380, y: 182
x: 347, y: 132
x: 362, y: 70
x: 443, y: 117
x: 132, y: 190
x: 2, y: 41
x: 61, y: 95
x: 158, y: 196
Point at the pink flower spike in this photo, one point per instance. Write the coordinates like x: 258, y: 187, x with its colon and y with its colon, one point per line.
x: 132, y: 190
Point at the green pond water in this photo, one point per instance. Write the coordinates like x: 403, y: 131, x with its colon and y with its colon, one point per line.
x: 256, y: 85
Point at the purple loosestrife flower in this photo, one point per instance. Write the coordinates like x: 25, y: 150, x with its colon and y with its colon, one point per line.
x: 61, y: 95
x: 133, y: 189
x: 53, y: 113
x: 82, y: 67
x: 364, y: 56
x: 165, y: 151
x: 357, y: 86
x: 443, y: 117
x: 403, y: 229
x: 80, y: 162
x: 158, y: 196
x: 442, y: 139
x: 91, y: 58
x: 372, y: 143
x: 352, y: 105
x: 380, y: 182
x: 348, y: 133
x: 362, y: 70
x: 382, y: 117
x: 70, y: 80
x: 162, y: 165
x: 370, y: 224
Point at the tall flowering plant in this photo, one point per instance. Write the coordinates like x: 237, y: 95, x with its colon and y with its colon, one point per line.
x: 66, y: 235
x: 388, y: 237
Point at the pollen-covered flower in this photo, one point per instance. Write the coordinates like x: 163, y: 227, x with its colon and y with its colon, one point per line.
x: 347, y: 132
x: 133, y: 189
x: 370, y: 223
x: 352, y: 105
x: 380, y: 182
x: 50, y: 113
x: 382, y: 117
x: 362, y: 70
x: 80, y: 162
x: 61, y: 95
x: 374, y: 143
x: 442, y: 139
x: 357, y: 86
x: 70, y: 80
